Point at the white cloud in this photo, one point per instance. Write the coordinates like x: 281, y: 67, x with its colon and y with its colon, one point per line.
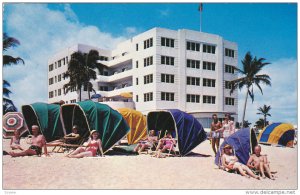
x: 282, y: 95
x: 164, y: 13
x: 42, y: 32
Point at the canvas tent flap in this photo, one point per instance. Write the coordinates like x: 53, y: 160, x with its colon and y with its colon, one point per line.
x: 243, y: 142
x: 47, y: 117
x: 188, y: 130
x: 278, y: 133
x: 108, y: 122
x: 137, y: 123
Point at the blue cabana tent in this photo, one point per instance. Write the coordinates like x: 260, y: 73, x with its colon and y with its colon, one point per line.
x: 182, y: 126
x: 243, y: 142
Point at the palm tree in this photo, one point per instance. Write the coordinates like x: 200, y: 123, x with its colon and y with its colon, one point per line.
x: 8, y: 105
x: 81, y: 71
x: 265, y: 112
x: 260, y: 123
x: 250, y: 77
x: 7, y: 43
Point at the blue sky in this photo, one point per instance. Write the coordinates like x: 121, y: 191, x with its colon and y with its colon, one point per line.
x: 267, y: 30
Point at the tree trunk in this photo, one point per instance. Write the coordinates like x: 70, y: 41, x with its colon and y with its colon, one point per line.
x: 89, y: 93
x: 245, y: 105
x: 265, y: 120
x: 80, y: 93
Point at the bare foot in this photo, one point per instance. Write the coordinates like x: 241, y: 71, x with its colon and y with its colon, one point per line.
x: 257, y: 178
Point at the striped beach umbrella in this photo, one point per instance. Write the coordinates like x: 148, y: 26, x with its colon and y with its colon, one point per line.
x: 13, y: 121
x: 278, y: 133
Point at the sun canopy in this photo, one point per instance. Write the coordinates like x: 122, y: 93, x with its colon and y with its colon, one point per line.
x: 47, y: 117
x: 278, y: 133
x: 182, y: 126
x: 137, y: 123
x: 243, y: 142
x: 89, y: 115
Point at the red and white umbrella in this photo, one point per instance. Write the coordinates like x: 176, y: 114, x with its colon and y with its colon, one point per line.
x: 13, y: 121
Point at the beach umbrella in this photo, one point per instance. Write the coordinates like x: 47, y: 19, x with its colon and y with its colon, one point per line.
x: 278, y: 133
x: 95, y: 96
x: 137, y: 123
x: 242, y: 141
x: 184, y: 127
x: 47, y: 117
x: 13, y: 121
x: 126, y: 95
x: 89, y: 115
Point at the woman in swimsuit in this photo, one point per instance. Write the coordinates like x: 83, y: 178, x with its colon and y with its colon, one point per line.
x: 166, y: 143
x: 148, y: 143
x: 37, y: 142
x: 94, y: 143
x: 227, y: 127
x: 15, y: 141
x: 230, y: 162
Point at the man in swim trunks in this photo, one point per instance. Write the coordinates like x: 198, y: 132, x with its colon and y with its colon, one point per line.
x: 260, y: 163
x: 37, y: 142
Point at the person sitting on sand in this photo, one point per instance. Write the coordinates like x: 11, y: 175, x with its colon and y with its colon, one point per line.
x: 15, y: 141
x: 147, y: 143
x: 230, y: 162
x: 38, y: 141
x: 93, y: 145
x: 260, y: 163
x: 166, y: 143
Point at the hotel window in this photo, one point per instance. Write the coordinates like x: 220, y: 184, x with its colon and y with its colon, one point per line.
x: 73, y: 89
x: 50, y: 67
x: 55, y: 65
x: 137, y: 64
x: 167, y: 60
x: 55, y: 93
x: 228, y: 85
x: 148, y: 79
x: 59, y: 92
x: 51, y: 94
x: 229, y: 101
x: 209, y: 99
x: 137, y: 47
x: 209, y: 82
x: 193, y: 63
x: 55, y: 79
x: 167, y: 78
x: 59, y: 63
x: 192, y: 46
x: 50, y: 81
x: 229, y: 69
x: 209, y: 49
x: 67, y: 59
x: 64, y: 60
x: 59, y: 78
x: 148, y: 43
x: 167, y: 42
x: 137, y: 81
x: 148, y: 97
x: 192, y: 98
x: 229, y: 53
x: 137, y: 98
x: 166, y: 96
x: 193, y: 81
x: 73, y: 101
x: 209, y: 65
x: 103, y: 88
x: 148, y: 61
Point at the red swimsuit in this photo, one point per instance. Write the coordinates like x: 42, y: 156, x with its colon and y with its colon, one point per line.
x: 93, y: 147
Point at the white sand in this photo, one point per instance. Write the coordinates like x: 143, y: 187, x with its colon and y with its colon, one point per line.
x: 141, y: 172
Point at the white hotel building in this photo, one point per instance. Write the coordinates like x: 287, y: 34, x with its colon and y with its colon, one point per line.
x: 163, y: 69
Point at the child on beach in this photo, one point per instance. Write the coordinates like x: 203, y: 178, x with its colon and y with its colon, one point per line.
x: 15, y: 141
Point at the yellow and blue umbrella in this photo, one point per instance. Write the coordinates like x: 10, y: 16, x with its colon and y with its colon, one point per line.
x: 278, y: 133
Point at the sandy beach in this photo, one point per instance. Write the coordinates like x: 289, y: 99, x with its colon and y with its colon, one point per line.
x: 196, y: 171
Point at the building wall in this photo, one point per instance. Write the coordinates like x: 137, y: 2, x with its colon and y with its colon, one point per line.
x: 126, y: 65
